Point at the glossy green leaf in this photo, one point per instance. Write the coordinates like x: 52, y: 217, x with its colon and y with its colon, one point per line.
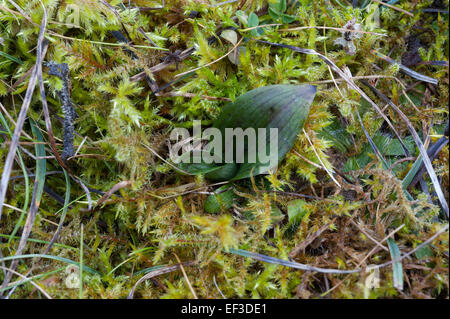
x: 274, y: 13
x: 223, y: 173
x: 191, y: 167
x: 282, y: 5
x: 284, y: 107
x: 281, y: 107
x: 277, y: 8
x: 212, y: 171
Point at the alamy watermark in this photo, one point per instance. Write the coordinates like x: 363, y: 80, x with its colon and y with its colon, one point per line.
x: 230, y: 145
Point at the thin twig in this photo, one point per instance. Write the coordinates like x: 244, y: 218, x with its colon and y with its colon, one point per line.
x: 394, y: 7
x: 321, y: 162
x: 328, y: 28
x: 185, y: 276
x: 423, y: 152
x: 113, y: 189
x: 341, y: 73
x: 192, y: 95
x: 208, y: 64
x: 27, y: 280
x: 158, y: 272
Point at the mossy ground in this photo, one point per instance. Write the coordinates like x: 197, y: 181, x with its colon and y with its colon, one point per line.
x: 156, y: 216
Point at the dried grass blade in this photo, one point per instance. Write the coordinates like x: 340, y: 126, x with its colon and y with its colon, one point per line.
x: 28, y: 280
x: 63, y: 215
x: 41, y: 50
x: 433, y: 151
x: 349, y: 81
x: 35, y: 200
x: 27, y: 184
x: 58, y: 258
x: 406, y: 70
x: 157, y: 272
x: 114, y: 189
x: 420, y: 145
x: 372, y: 143
x: 291, y: 264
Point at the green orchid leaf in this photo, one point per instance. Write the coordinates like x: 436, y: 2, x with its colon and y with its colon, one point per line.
x: 211, y: 171
x: 223, y: 173
x: 192, y: 163
x: 278, y: 7
x: 274, y: 114
x: 282, y: 6
x: 283, y: 108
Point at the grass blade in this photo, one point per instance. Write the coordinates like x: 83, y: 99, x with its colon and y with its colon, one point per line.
x: 6, y: 55
x: 38, y: 190
x: 397, y: 268
x: 27, y: 183
x: 61, y: 259
x: 406, y: 70
x: 157, y: 272
x: 21, y: 282
x: 33, y: 240
x: 423, y: 151
x: 41, y: 50
x: 63, y: 215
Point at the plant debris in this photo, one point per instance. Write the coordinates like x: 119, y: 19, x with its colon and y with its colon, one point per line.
x: 70, y: 114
